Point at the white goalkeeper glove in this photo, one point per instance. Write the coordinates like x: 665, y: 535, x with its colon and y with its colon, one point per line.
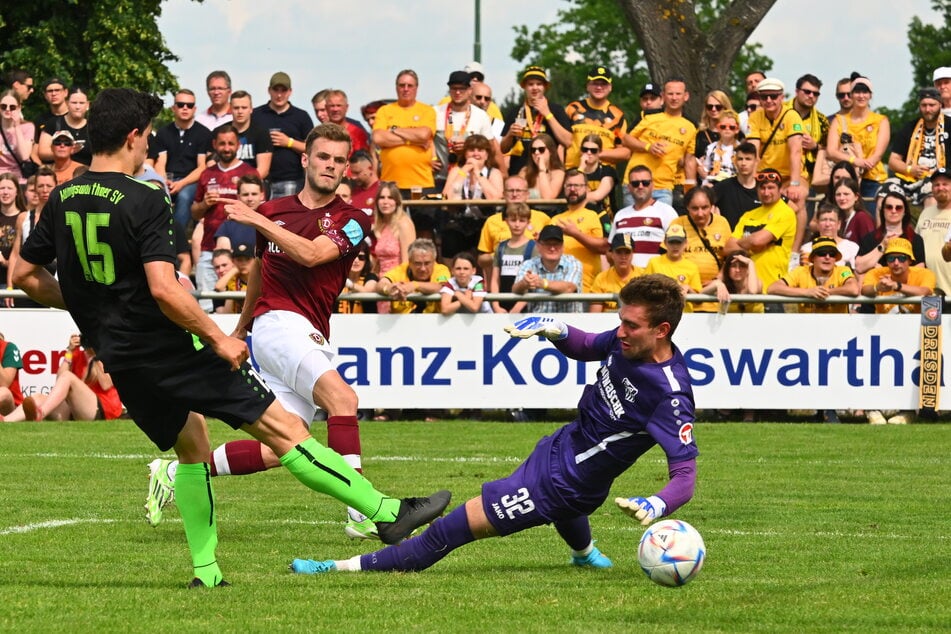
x: 644, y: 510
x: 547, y: 327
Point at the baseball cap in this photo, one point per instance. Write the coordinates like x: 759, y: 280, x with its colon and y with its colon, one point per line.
x: 622, y: 241
x: 675, y: 233
x: 825, y: 242
x: 54, y: 80
x: 475, y: 70
x: 770, y: 84
x: 899, y: 245
x: 536, y: 72
x: 942, y: 72
x: 280, y: 79
x: 551, y: 232
x: 458, y: 77
x: 243, y: 250
x: 599, y: 72
x: 941, y: 171
x: 929, y: 93
x: 62, y: 133
x: 650, y: 89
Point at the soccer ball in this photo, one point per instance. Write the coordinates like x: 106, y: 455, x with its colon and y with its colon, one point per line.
x: 671, y: 552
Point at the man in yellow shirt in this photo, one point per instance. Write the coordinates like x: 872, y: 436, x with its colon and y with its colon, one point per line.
x: 898, y: 277
x: 766, y: 232
x: 494, y: 230
x: 404, y: 133
x: 776, y: 129
x: 662, y: 141
x: 584, y: 234
x: 419, y: 275
x: 819, y: 279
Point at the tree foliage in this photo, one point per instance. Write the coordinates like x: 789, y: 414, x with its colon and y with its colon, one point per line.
x: 97, y: 44
x: 929, y: 49
x: 590, y: 32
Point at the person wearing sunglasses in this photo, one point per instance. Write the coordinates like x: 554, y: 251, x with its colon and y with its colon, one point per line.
x: 716, y: 163
x: 820, y: 278
x: 63, y: 163
x: 776, y: 130
x: 861, y: 138
x: 815, y: 125
x: 895, y: 221
x: 77, y: 105
x: 829, y: 221
x: 716, y: 104
x: 899, y: 276
x: 663, y: 142
x: 920, y: 147
x: 178, y: 152
x: 646, y: 220
x: 601, y: 179
x: 595, y: 114
x: 17, y: 143
x: 767, y: 232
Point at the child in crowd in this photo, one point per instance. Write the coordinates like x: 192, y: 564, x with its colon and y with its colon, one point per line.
x: 464, y: 292
x: 718, y: 160
x: 510, y: 255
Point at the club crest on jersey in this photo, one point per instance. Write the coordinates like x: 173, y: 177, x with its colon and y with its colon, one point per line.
x: 629, y: 390
x: 318, y: 338
x: 325, y: 223
x: 686, y: 433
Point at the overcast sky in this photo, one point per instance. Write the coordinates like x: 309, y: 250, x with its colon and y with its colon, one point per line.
x: 360, y: 46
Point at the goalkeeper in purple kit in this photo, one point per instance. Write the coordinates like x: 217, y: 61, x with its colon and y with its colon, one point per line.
x: 641, y: 397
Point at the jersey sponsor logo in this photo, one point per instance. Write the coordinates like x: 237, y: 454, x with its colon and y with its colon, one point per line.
x: 609, y: 393
x: 686, y: 433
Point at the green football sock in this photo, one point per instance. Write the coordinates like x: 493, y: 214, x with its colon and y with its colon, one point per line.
x: 325, y: 471
x: 196, y: 504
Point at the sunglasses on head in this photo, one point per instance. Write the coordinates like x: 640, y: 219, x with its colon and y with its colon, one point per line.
x: 587, y: 149
x: 714, y: 106
x: 539, y: 149
x: 842, y: 95
x: 896, y: 257
x: 894, y: 207
x: 728, y: 126
x: 184, y: 104
x: 811, y: 93
x: 825, y: 253
x: 640, y: 183
x: 768, y: 177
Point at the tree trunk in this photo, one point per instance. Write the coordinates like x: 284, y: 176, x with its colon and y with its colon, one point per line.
x: 675, y: 45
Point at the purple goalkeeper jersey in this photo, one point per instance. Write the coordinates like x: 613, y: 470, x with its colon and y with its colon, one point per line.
x: 631, y: 406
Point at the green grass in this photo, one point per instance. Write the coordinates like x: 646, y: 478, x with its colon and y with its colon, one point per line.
x: 809, y: 528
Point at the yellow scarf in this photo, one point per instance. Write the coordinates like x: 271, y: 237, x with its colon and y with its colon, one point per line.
x: 917, y: 143
x: 813, y: 126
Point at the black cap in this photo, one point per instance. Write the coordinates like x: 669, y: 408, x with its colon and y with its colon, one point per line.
x: 650, y: 89
x: 600, y: 72
x: 243, y: 250
x: 941, y: 171
x: 929, y: 93
x: 551, y: 232
x: 458, y: 77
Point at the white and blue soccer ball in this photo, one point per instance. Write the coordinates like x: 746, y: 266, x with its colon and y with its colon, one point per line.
x: 671, y: 552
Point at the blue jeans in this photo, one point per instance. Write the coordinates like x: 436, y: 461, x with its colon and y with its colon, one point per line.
x: 285, y: 188
x: 205, y: 279
x: 664, y: 196
x: 183, y: 204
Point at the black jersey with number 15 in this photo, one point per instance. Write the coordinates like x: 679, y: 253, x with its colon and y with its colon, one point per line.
x: 102, y: 227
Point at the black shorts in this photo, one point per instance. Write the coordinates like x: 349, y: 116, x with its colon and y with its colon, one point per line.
x: 159, y: 396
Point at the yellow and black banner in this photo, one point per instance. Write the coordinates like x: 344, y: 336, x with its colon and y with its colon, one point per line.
x: 929, y: 385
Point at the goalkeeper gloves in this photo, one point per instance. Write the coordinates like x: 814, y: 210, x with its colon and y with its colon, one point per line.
x: 644, y: 510
x: 542, y: 326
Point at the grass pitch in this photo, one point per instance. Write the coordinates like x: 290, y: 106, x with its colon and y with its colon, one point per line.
x: 809, y: 528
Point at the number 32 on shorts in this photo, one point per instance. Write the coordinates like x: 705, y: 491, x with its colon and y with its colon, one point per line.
x: 518, y: 504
